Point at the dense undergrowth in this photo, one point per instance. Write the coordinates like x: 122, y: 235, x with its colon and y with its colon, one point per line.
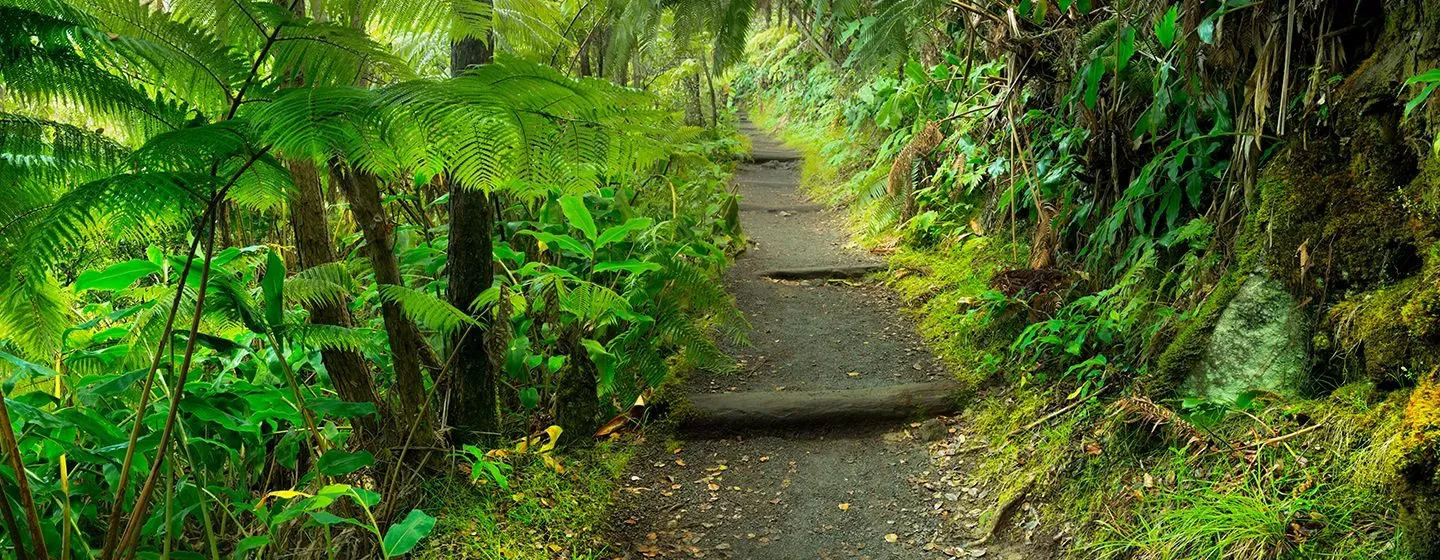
x: 290, y: 279
x: 1081, y: 201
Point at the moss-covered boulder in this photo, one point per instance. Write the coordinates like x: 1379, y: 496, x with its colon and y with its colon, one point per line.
x: 1259, y: 342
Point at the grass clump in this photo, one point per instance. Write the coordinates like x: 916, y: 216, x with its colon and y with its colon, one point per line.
x: 545, y: 513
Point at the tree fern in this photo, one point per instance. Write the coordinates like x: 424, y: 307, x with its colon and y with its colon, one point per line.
x: 329, y: 337
x: 320, y: 284
x: 426, y: 309
x: 41, y: 64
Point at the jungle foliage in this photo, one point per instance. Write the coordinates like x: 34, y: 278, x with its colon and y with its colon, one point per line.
x: 228, y: 314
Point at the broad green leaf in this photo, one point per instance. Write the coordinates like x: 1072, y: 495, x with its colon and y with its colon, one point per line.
x: 30, y: 370
x: 273, y: 284
x: 403, y: 536
x: 1426, y: 77
x: 115, y: 277
x: 1424, y: 94
x: 250, y: 543
x: 529, y: 398
x: 1092, y: 82
x: 110, y: 385
x: 336, y: 408
x: 327, y: 518
x: 338, y: 462
x: 33, y: 415
x: 562, y: 241
x: 578, y: 215
x: 1124, y: 49
x: 1247, y: 399
x: 483, y: 467
x: 622, y: 231
x: 1165, y: 28
x: 630, y: 265
x: 604, y: 361
x: 1206, y: 30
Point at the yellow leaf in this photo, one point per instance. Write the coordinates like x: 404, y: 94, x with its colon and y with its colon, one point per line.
x: 845, y: 506
x: 891, y: 537
x: 282, y: 494
x: 554, y: 433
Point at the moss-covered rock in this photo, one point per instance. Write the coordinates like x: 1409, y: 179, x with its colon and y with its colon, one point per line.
x: 1183, y: 355
x: 1259, y: 342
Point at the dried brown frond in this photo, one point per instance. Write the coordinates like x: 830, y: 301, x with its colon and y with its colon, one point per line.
x: 1142, y: 410
x: 900, y: 182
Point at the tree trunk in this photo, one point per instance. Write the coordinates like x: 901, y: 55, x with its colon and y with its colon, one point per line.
x: 710, y: 83
x: 348, y: 370
x: 406, y: 345
x: 577, y: 405
x: 474, y: 399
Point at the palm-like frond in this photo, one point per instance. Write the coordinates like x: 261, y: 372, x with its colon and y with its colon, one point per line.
x: 180, y: 56
x: 426, y: 309
x: 126, y: 206
x: 41, y: 64
x: 321, y: 284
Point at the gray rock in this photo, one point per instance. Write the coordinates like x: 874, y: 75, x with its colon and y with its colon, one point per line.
x: 1259, y: 343
x: 932, y: 430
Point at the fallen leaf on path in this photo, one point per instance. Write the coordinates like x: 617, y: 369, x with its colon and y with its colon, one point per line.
x: 891, y: 537
x: 845, y: 506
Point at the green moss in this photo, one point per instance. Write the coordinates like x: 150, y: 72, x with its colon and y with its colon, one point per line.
x: 943, y: 287
x: 1184, y: 354
x: 1392, y: 328
x: 1329, y: 212
x: 544, y: 514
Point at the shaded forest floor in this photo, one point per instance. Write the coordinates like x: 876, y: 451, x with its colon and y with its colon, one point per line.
x: 879, y: 490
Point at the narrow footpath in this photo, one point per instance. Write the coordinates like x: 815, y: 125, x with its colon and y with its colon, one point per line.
x: 853, y: 489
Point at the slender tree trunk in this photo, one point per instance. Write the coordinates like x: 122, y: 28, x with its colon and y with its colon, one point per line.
x: 406, y: 346
x: 577, y: 405
x: 585, y: 59
x: 710, y: 83
x: 474, y: 399
x: 348, y: 369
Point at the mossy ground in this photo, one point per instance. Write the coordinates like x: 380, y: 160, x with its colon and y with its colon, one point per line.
x: 544, y: 514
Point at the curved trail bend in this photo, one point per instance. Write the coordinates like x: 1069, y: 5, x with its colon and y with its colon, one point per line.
x: 863, y: 488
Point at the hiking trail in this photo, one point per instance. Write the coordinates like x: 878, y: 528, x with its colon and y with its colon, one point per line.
x: 797, y: 485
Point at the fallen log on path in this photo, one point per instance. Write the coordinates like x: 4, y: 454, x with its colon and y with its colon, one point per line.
x: 753, y: 409
x: 845, y: 272
x: 769, y: 156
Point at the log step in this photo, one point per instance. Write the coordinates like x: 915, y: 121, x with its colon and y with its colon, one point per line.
x: 769, y: 156
x: 782, y: 409
x: 794, y: 208
x: 850, y: 272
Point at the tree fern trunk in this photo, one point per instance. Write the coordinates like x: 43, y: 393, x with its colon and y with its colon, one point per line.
x: 577, y: 406
x: 406, y: 346
x: 348, y: 370
x: 474, y: 400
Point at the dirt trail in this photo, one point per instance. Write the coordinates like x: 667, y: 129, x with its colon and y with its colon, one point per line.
x: 836, y: 492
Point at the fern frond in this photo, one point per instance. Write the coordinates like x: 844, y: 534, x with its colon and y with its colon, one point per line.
x: 329, y: 337
x: 426, y: 309
x: 321, y: 284
x: 592, y: 303
x: 182, y: 56
x: 42, y: 65
x: 128, y: 206
x: 34, y: 314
